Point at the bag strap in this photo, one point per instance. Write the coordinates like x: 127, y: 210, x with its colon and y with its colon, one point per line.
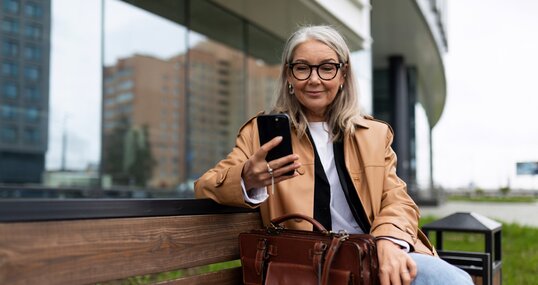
x: 261, y: 256
x: 336, y: 241
x: 317, y: 225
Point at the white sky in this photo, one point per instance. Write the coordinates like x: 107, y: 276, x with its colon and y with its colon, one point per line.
x: 489, y: 121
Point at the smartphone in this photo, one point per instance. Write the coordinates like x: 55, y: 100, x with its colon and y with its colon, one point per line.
x: 271, y: 126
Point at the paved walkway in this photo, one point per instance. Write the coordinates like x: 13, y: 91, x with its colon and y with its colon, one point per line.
x: 521, y: 213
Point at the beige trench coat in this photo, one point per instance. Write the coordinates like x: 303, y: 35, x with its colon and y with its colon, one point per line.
x: 370, y: 161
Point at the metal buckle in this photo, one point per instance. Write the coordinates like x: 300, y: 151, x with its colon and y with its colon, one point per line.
x: 340, y: 234
x: 273, y: 229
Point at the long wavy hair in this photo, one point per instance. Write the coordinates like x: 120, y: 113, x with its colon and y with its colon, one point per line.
x: 342, y: 113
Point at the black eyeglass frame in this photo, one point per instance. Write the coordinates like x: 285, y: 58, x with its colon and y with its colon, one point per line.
x: 338, y: 65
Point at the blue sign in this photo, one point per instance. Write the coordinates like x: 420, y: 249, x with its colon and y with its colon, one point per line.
x: 527, y: 168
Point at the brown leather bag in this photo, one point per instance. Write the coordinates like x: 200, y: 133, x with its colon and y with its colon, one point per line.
x: 293, y: 257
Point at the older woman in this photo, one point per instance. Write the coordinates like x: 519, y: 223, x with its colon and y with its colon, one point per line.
x: 343, y: 164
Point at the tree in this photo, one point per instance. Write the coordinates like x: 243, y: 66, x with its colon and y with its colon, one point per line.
x: 127, y: 155
x: 138, y: 159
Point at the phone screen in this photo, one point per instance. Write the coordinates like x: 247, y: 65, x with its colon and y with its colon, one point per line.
x: 271, y: 126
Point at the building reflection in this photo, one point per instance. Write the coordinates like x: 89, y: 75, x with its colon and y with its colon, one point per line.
x: 24, y: 89
x: 166, y: 121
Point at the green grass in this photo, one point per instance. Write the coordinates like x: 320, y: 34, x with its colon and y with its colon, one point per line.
x: 519, y: 250
x: 499, y: 199
x: 175, y: 274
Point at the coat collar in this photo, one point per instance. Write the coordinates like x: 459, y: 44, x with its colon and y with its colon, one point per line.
x: 362, y: 121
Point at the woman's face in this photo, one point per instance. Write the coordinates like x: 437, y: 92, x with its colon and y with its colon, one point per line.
x: 314, y: 93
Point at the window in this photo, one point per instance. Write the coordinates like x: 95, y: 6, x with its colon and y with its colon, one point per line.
x: 8, y: 133
x: 10, y: 49
x: 11, y: 6
x: 33, y: 10
x: 32, y: 52
x: 141, y: 52
x: 32, y: 93
x: 32, y: 114
x: 125, y: 85
x: 32, y: 31
x: 8, y: 112
x: 124, y: 97
x: 31, y: 135
x: 10, y: 69
x: 31, y: 73
x: 10, y: 90
x: 10, y: 26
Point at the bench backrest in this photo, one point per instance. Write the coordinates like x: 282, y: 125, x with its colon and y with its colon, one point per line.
x: 38, y: 246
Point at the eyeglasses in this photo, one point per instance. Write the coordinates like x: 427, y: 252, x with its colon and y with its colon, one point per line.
x: 326, y: 71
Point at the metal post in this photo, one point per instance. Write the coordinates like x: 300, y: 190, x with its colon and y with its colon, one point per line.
x: 399, y: 94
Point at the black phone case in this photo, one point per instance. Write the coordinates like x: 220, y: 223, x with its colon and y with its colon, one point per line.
x: 271, y: 126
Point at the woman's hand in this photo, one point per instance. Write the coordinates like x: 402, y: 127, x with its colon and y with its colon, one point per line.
x: 396, y: 267
x: 256, y: 170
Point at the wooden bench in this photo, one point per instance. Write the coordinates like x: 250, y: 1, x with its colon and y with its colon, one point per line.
x: 113, y: 241
x: 105, y: 241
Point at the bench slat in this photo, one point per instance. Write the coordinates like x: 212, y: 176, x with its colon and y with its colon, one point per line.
x: 89, y: 251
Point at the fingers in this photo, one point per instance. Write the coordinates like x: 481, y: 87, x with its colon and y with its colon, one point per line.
x: 396, y: 267
x: 408, y: 270
x: 284, y: 164
x: 412, y: 267
x: 404, y: 276
x: 257, y: 172
x: 264, y: 149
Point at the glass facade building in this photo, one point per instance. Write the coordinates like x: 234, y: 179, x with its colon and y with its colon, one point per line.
x: 24, y: 87
x: 145, y: 96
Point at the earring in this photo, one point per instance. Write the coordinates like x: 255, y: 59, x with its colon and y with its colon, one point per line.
x: 291, y: 91
x: 340, y: 88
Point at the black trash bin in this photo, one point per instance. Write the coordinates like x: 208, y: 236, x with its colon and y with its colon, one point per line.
x: 484, y: 267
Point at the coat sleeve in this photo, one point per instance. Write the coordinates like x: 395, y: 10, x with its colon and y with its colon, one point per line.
x: 399, y: 215
x: 222, y: 183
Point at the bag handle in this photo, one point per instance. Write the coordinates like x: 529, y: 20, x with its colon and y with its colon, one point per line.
x: 317, y: 225
x: 337, y: 240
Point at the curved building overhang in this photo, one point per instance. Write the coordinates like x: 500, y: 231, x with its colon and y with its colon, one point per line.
x: 400, y: 28
x: 282, y: 17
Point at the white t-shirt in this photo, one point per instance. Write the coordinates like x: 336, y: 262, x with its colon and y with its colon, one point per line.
x: 341, y: 215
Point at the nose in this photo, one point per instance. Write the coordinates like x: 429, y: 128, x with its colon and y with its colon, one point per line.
x: 314, y: 76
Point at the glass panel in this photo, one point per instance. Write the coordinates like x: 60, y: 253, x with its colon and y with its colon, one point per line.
x: 423, y: 159
x: 263, y: 65
x: 10, y: 69
x: 8, y: 112
x: 11, y: 6
x: 10, y: 90
x: 159, y: 107
x: 75, y: 76
x: 216, y: 105
x: 32, y: 53
x: 10, y: 26
x: 33, y: 31
x: 10, y: 49
x: 144, y: 97
x: 8, y: 133
x: 33, y: 10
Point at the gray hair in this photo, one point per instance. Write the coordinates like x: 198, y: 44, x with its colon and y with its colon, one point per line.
x: 344, y: 110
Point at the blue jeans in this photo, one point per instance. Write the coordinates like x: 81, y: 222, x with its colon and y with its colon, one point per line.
x: 435, y: 271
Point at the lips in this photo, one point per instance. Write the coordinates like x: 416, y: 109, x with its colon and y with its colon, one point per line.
x: 313, y: 93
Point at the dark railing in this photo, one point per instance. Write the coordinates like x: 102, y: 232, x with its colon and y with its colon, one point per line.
x: 117, y: 192
x: 17, y: 210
